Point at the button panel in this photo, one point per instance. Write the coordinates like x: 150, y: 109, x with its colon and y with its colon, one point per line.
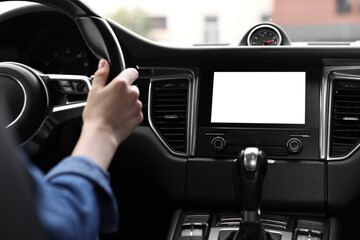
x: 73, y: 86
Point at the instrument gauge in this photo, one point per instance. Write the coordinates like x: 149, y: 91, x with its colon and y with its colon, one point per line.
x: 264, y: 35
x: 59, y: 50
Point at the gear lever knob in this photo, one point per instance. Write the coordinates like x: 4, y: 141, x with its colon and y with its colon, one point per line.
x: 252, y: 167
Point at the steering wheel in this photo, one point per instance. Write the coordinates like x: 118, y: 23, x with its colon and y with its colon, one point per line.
x: 33, y: 97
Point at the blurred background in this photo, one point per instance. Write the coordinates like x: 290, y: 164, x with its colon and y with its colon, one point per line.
x: 226, y: 21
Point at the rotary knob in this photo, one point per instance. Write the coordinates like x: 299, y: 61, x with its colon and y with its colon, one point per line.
x: 294, y: 145
x: 218, y: 144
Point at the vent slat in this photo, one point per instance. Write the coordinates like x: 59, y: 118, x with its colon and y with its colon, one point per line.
x: 171, y: 106
x: 347, y: 113
x: 354, y: 96
x: 169, y: 112
x: 345, y: 129
x: 338, y: 106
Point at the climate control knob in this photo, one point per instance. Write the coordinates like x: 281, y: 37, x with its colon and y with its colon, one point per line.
x: 218, y: 144
x: 294, y: 145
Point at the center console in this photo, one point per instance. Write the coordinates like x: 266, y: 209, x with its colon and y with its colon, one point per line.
x: 277, y: 112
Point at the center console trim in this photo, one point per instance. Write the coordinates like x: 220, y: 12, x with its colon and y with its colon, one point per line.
x: 215, y: 231
x: 163, y: 74
x: 325, y: 116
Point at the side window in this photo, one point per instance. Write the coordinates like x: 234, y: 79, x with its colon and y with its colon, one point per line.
x: 344, y: 6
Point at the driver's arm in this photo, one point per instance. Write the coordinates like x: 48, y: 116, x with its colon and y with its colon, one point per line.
x: 76, y: 199
x: 111, y: 114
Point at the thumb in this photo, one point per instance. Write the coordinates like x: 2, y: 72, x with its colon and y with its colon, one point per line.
x: 101, y: 75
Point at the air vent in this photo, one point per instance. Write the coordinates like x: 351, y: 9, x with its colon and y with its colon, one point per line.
x: 169, y: 112
x: 345, y: 129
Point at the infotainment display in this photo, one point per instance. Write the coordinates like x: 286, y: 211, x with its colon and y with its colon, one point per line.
x: 259, y: 97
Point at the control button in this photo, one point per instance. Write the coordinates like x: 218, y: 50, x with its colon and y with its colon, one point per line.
x: 308, y: 235
x: 64, y: 83
x: 186, y: 232
x: 68, y: 89
x: 294, y: 145
x: 304, y: 237
x: 218, y: 144
x: 197, y: 232
x: 193, y: 229
x: 80, y: 87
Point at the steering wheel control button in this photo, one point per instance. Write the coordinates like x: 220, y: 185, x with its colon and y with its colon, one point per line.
x: 79, y: 86
x: 218, y: 144
x: 294, y: 145
x: 64, y: 83
x: 73, y: 86
x: 68, y: 89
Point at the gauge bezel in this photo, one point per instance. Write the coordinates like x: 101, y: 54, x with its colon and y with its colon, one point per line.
x: 264, y: 26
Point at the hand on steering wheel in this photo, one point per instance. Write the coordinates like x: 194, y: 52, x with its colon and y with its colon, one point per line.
x: 111, y: 114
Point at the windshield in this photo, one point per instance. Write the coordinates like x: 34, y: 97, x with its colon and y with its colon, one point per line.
x: 226, y: 21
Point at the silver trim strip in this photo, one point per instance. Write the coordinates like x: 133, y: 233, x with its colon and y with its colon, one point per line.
x: 68, y: 107
x: 25, y: 99
x: 328, y: 101
x: 214, y: 232
x: 191, y: 111
x: 38, y: 76
x: 324, y: 92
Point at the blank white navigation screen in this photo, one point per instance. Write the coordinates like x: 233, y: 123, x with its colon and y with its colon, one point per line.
x: 259, y: 97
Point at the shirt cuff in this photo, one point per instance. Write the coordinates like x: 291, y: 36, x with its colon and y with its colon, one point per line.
x: 88, y: 169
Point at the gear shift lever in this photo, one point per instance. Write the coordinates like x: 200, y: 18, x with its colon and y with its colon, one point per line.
x: 252, y: 166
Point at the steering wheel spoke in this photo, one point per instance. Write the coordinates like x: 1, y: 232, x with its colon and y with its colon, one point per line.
x: 67, y: 96
x: 66, y: 91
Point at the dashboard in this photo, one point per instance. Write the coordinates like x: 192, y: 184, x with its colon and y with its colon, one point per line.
x: 53, y: 46
x: 300, y: 104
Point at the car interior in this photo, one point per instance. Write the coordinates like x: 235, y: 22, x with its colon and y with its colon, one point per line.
x: 258, y: 140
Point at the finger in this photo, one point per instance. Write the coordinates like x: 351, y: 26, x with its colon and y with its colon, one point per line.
x: 101, y: 75
x: 136, y: 89
x: 129, y: 75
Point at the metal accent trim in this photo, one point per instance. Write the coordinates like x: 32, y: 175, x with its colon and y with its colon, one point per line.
x: 214, y: 232
x: 328, y: 101
x: 264, y: 26
x: 191, y: 109
x: 251, y: 159
x: 69, y: 105
x: 25, y: 99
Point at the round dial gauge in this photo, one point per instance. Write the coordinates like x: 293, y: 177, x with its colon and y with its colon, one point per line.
x: 59, y: 51
x: 264, y: 35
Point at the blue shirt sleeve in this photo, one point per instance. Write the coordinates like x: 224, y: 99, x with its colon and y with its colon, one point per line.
x: 75, y: 199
